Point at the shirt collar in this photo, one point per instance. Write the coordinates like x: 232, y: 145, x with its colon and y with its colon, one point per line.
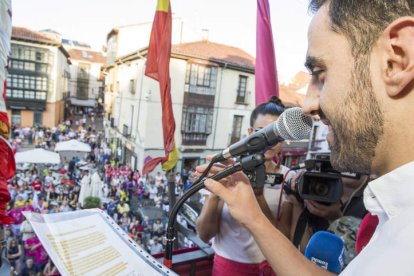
x: 391, y: 193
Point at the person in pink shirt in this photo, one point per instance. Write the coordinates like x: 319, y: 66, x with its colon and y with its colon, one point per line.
x: 27, y: 207
x: 35, y: 250
x: 30, y: 246
x: 40, y: 257
x: 17, y: 216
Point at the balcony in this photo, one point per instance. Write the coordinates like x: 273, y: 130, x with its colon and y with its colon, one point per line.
x: 194, y: 139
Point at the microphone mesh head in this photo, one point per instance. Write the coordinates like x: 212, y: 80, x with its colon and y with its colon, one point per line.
x: 293, y: 124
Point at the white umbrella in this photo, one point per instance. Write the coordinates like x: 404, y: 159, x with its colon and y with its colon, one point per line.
x: 72, y: 145
x: 37, y: 156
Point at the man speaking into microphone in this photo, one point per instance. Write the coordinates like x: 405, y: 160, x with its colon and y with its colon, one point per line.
x: 361, y: 58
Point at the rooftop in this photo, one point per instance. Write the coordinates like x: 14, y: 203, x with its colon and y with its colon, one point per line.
x: 300, y: 80
x: 86, y: 55
x: 215, y: 52
x: 24, y: 34
x: 290, y: 96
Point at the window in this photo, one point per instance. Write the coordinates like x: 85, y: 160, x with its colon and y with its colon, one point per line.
x: 40, y: 56
x: 241, y: 90
x: 236, y: 130
x: 16, y: 51
x: 38, y: 118
x: 41, y: 68
x: 17, y: 64
x: 132, y: 86
x: 196, y: 125
x: 29, y: 53
x: 39, y: 83
x: 29, y: 95
x: 200, y: 79
x: 132, y: 117
x: 82, y: 90
x: 17, y: 93
x: 197, y: 119
x: 125, y: 130
x: 16, y: 117
x: 203, y: 76
x: 44, y: 83
x: 41, y: 95
x: 27, y: 87
x: 83, y: 72
x: 29, y: 66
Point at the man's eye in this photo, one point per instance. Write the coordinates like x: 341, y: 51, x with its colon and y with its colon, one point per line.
x: 316, y: 73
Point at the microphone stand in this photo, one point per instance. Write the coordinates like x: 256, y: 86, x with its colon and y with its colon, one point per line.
x: 249, y: 163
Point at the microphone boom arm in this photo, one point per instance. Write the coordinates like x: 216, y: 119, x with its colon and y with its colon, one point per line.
x: 249, y: 163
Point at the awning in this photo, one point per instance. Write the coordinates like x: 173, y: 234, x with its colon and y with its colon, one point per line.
x: 72, y: 145
x: 77, y: 102
x: 37, y: 156
x: 26, y: 105
x: 17, y: 107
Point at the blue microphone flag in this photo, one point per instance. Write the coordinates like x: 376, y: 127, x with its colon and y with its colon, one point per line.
x: 326, y: 250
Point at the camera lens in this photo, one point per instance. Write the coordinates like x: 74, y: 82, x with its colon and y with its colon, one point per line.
x: 319, y: 189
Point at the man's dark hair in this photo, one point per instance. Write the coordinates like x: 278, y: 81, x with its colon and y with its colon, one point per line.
x: 362, y: 21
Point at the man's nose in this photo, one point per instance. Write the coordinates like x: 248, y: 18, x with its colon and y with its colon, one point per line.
x: 311, y: 106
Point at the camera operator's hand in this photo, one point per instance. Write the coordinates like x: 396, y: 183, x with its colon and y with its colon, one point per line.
x: 291, y: 197
x: 329, y: 212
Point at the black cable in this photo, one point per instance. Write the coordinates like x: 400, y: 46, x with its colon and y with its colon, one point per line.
x: 198, y: 185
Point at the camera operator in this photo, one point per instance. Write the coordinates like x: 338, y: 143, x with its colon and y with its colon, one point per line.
x: 305, y: 217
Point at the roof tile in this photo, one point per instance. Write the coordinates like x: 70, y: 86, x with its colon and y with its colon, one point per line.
x: 24, y: 33
x: 86, y: 55
x: 290, y: 97
x: 215, y: 52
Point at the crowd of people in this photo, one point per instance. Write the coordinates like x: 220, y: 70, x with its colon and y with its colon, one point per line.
x: 69, y: 186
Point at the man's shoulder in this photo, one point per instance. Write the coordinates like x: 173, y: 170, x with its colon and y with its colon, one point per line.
x: 390, y: 249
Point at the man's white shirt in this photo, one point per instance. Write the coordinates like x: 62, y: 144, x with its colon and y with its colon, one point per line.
x: 390, y: 250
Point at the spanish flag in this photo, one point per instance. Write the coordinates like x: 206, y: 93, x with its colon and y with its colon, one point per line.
x: 158, y: 68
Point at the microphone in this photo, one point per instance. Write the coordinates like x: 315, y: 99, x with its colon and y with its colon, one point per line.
x: 291, y: 125
x: 326, y: 250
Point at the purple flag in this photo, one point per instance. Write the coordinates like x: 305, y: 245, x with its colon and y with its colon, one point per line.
x: 265, y: 73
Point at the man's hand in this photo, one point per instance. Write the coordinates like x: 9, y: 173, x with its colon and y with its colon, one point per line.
x: 329, y: 212
x: 217, y: 167
x: 235, y: 190
x: 239, y: 197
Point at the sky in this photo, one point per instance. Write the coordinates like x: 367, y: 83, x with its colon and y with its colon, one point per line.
x: 230, y: 22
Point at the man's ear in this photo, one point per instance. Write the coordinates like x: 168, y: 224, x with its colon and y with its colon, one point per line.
x: 399, y: 45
